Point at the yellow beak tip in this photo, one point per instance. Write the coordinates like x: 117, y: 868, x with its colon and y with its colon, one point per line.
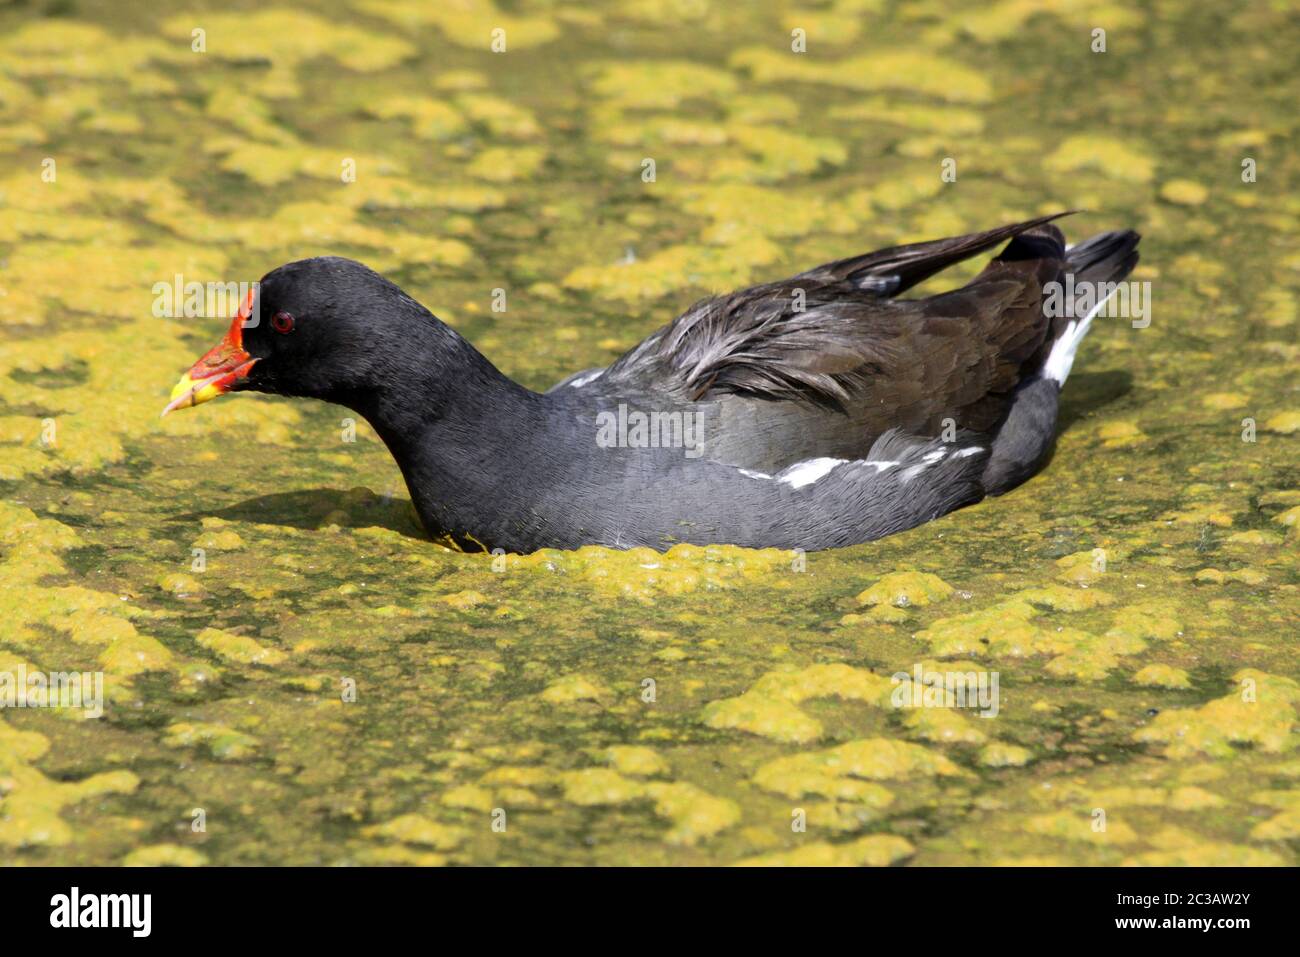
x: 189, y: 392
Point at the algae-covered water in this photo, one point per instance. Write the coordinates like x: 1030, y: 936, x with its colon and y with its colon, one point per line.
x: 293, y: 674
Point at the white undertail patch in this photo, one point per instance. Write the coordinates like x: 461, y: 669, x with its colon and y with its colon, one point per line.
x: 1061, y: 359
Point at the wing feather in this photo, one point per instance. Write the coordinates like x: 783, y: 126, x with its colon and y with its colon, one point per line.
x: 824, y: 337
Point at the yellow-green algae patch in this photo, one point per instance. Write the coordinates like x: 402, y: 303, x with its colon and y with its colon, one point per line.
x: 290, y: 38
x: 573, y: 688
x: 165, y: 855
x: 1001, y: 755
x: 222, y: 742
x: 1261, y: 712
x: 904, y: 589
x: 694, y: 815
x: 999, y: 21
x: 475, y: 24
x: 1185, y: 192
x: 645, y: 575
x: 659, y: 85
x: 847, y: 772
x: 943, y: 725
x: 31, y: 804
x: 238, y: 648
x: 635, y: 760
x: 1011, y: 629
x: 1103, y: 154
x: 877, y: 850
x: 915, y: 70
x: 1162, y: 676
x: 771, y: 707
x: 416, y: 829
x: 1284, y: 422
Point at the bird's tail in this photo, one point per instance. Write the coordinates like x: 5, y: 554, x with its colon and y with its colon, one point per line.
x: 1090, y: 273
x: 1093, y: 270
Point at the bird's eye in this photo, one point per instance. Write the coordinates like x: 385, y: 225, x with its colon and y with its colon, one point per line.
x: 282, y: 322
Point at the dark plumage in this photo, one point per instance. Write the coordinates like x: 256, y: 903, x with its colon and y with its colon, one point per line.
x: 817, y: 411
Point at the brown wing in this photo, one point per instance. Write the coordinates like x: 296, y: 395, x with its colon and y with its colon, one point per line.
x: 822, y: 338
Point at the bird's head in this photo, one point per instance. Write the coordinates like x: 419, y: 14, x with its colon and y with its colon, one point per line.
x: 324, y: 328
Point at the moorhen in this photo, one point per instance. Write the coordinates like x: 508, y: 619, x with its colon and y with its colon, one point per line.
x: 814, y: 412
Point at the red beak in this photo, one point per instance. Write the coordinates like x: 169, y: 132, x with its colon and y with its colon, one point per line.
x: 220, y: 368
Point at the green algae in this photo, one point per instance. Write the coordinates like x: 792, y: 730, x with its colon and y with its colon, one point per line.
x: 340, y: 690
x: 771, y: 707
x: 237, y: 648
x: 1261, y: 713
x: 906, y: 589
x: 468, y: 23
x: 165, y: 855
x: 913, y: 70
x: 873, y: 851
x: 33, y: 802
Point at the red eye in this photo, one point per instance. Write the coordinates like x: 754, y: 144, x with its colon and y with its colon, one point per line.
x: 282, y: 322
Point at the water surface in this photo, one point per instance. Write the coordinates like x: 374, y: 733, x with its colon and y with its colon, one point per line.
x: 328, y: 687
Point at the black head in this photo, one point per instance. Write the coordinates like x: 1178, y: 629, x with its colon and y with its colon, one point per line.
x: 325, y: 328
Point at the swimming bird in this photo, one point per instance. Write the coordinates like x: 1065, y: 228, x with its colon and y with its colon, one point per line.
x: 813, y: 412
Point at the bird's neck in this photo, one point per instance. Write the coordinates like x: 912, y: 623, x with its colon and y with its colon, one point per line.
x: 459, y: 429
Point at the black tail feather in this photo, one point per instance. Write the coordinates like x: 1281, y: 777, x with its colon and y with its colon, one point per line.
x: 899, y: 268
x: 1106, y: 257
x: 1041, y: 242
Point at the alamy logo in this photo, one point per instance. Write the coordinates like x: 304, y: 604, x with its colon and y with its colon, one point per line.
x: 947, y: 689
x: 634, y: 429
x: 1125, y: 300
x: 103, y: 910
x: 182, y: 299
x: 20, y: 688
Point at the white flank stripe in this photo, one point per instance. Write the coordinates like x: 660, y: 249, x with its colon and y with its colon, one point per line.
x: 805, y: 473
